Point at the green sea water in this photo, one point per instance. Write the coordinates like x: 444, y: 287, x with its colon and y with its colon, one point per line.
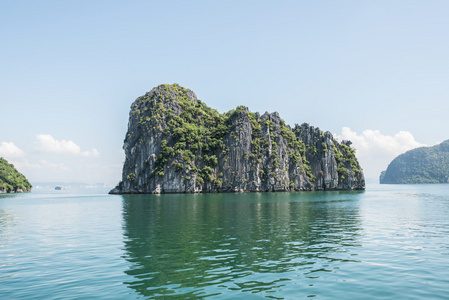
x: 388, y: 242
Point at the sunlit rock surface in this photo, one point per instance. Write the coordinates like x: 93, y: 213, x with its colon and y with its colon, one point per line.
x: 177, y: 144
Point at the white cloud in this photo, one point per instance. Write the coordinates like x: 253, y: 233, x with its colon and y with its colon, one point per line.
x: 10, y: 150
x: 49, y: 165
x: 42, y: 164
x: 47, y: 143
x: 94, y: 152
x: 375, y: 150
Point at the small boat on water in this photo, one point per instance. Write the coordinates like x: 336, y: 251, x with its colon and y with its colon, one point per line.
x: 58, y: 187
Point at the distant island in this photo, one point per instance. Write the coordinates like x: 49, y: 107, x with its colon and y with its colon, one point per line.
x: 421, y: 165
x: 177, y: 144
x: 11, y: 180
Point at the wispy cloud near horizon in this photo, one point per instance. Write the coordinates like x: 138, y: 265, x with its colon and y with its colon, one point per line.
x: 41, y: 165
x: 376, y: 150
x: 50, y: 159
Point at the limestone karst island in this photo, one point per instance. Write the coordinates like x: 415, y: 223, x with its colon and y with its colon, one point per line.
x: 11, y: 180
x: 420, y: 165
x: 177, y: 144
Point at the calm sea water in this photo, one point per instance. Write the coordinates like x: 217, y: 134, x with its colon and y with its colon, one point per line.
x: 389, y: 242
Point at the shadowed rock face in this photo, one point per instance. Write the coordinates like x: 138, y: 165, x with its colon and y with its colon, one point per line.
x: 177, y: 144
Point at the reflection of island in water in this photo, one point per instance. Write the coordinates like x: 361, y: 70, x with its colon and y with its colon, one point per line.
x: 201, y: 245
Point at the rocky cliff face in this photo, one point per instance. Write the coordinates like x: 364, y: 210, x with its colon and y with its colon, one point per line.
x: 177, y: 144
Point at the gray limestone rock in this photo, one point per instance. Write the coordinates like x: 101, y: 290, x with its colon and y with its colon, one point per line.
x: 176, y: 144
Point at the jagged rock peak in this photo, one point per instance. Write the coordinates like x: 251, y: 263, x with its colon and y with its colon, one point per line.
x: 177, y: 144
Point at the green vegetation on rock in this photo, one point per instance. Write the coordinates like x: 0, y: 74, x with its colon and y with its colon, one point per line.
x: 421, y: 165
x: 199, y: 131
x: 12, y: 180
x: 345, y: 155
x: 176, y: 143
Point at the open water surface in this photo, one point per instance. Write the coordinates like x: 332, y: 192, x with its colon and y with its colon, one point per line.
x: 388, y: 242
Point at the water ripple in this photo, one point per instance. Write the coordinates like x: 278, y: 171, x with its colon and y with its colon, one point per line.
x: 386, y: 243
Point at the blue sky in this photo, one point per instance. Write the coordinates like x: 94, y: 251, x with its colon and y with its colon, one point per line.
x: 376, y: 72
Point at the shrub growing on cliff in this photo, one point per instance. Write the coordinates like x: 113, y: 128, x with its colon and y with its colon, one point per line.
x: 210, y: 160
